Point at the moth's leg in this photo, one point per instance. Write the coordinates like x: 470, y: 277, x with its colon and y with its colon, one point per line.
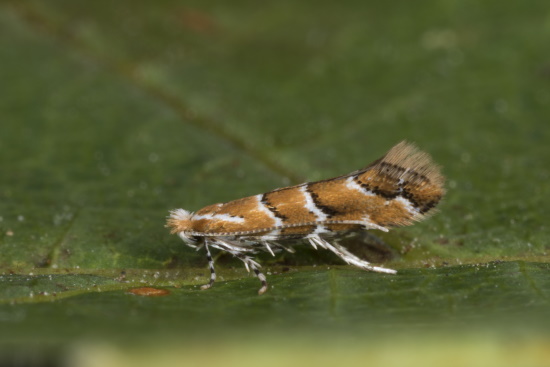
x: 266, y: 244
x: 251, y: 264
x: 212, y: 270
x: 347, y: 256
x: 262, y: 278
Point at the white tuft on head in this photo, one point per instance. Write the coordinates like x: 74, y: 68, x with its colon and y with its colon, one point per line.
x: 180, y: 214
x: 179, y: 220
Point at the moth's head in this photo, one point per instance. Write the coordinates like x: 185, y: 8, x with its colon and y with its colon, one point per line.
x: 179, y: 221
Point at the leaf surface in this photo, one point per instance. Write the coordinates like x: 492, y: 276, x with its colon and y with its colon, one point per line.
x: 112, y: 114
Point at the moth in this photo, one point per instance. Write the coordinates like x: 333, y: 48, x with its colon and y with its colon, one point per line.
x: 398, y: 189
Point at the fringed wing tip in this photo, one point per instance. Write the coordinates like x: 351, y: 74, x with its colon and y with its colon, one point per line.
x: 407, y: 155
x: 409, y: 173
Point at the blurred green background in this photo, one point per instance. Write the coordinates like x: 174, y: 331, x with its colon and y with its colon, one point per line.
x: 113, y: 113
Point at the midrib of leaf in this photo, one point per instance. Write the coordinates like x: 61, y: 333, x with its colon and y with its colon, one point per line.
x: 57, y: 296
x: 135, y: 278
x: 39, y: 22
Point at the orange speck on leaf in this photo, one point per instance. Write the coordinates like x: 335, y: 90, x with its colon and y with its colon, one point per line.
x: 149, y: 292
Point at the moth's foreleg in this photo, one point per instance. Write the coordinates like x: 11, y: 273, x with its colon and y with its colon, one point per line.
x: 212, y: 270
x: 239, y: 252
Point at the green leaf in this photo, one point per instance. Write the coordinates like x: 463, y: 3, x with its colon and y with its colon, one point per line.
x: 112, y: 114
